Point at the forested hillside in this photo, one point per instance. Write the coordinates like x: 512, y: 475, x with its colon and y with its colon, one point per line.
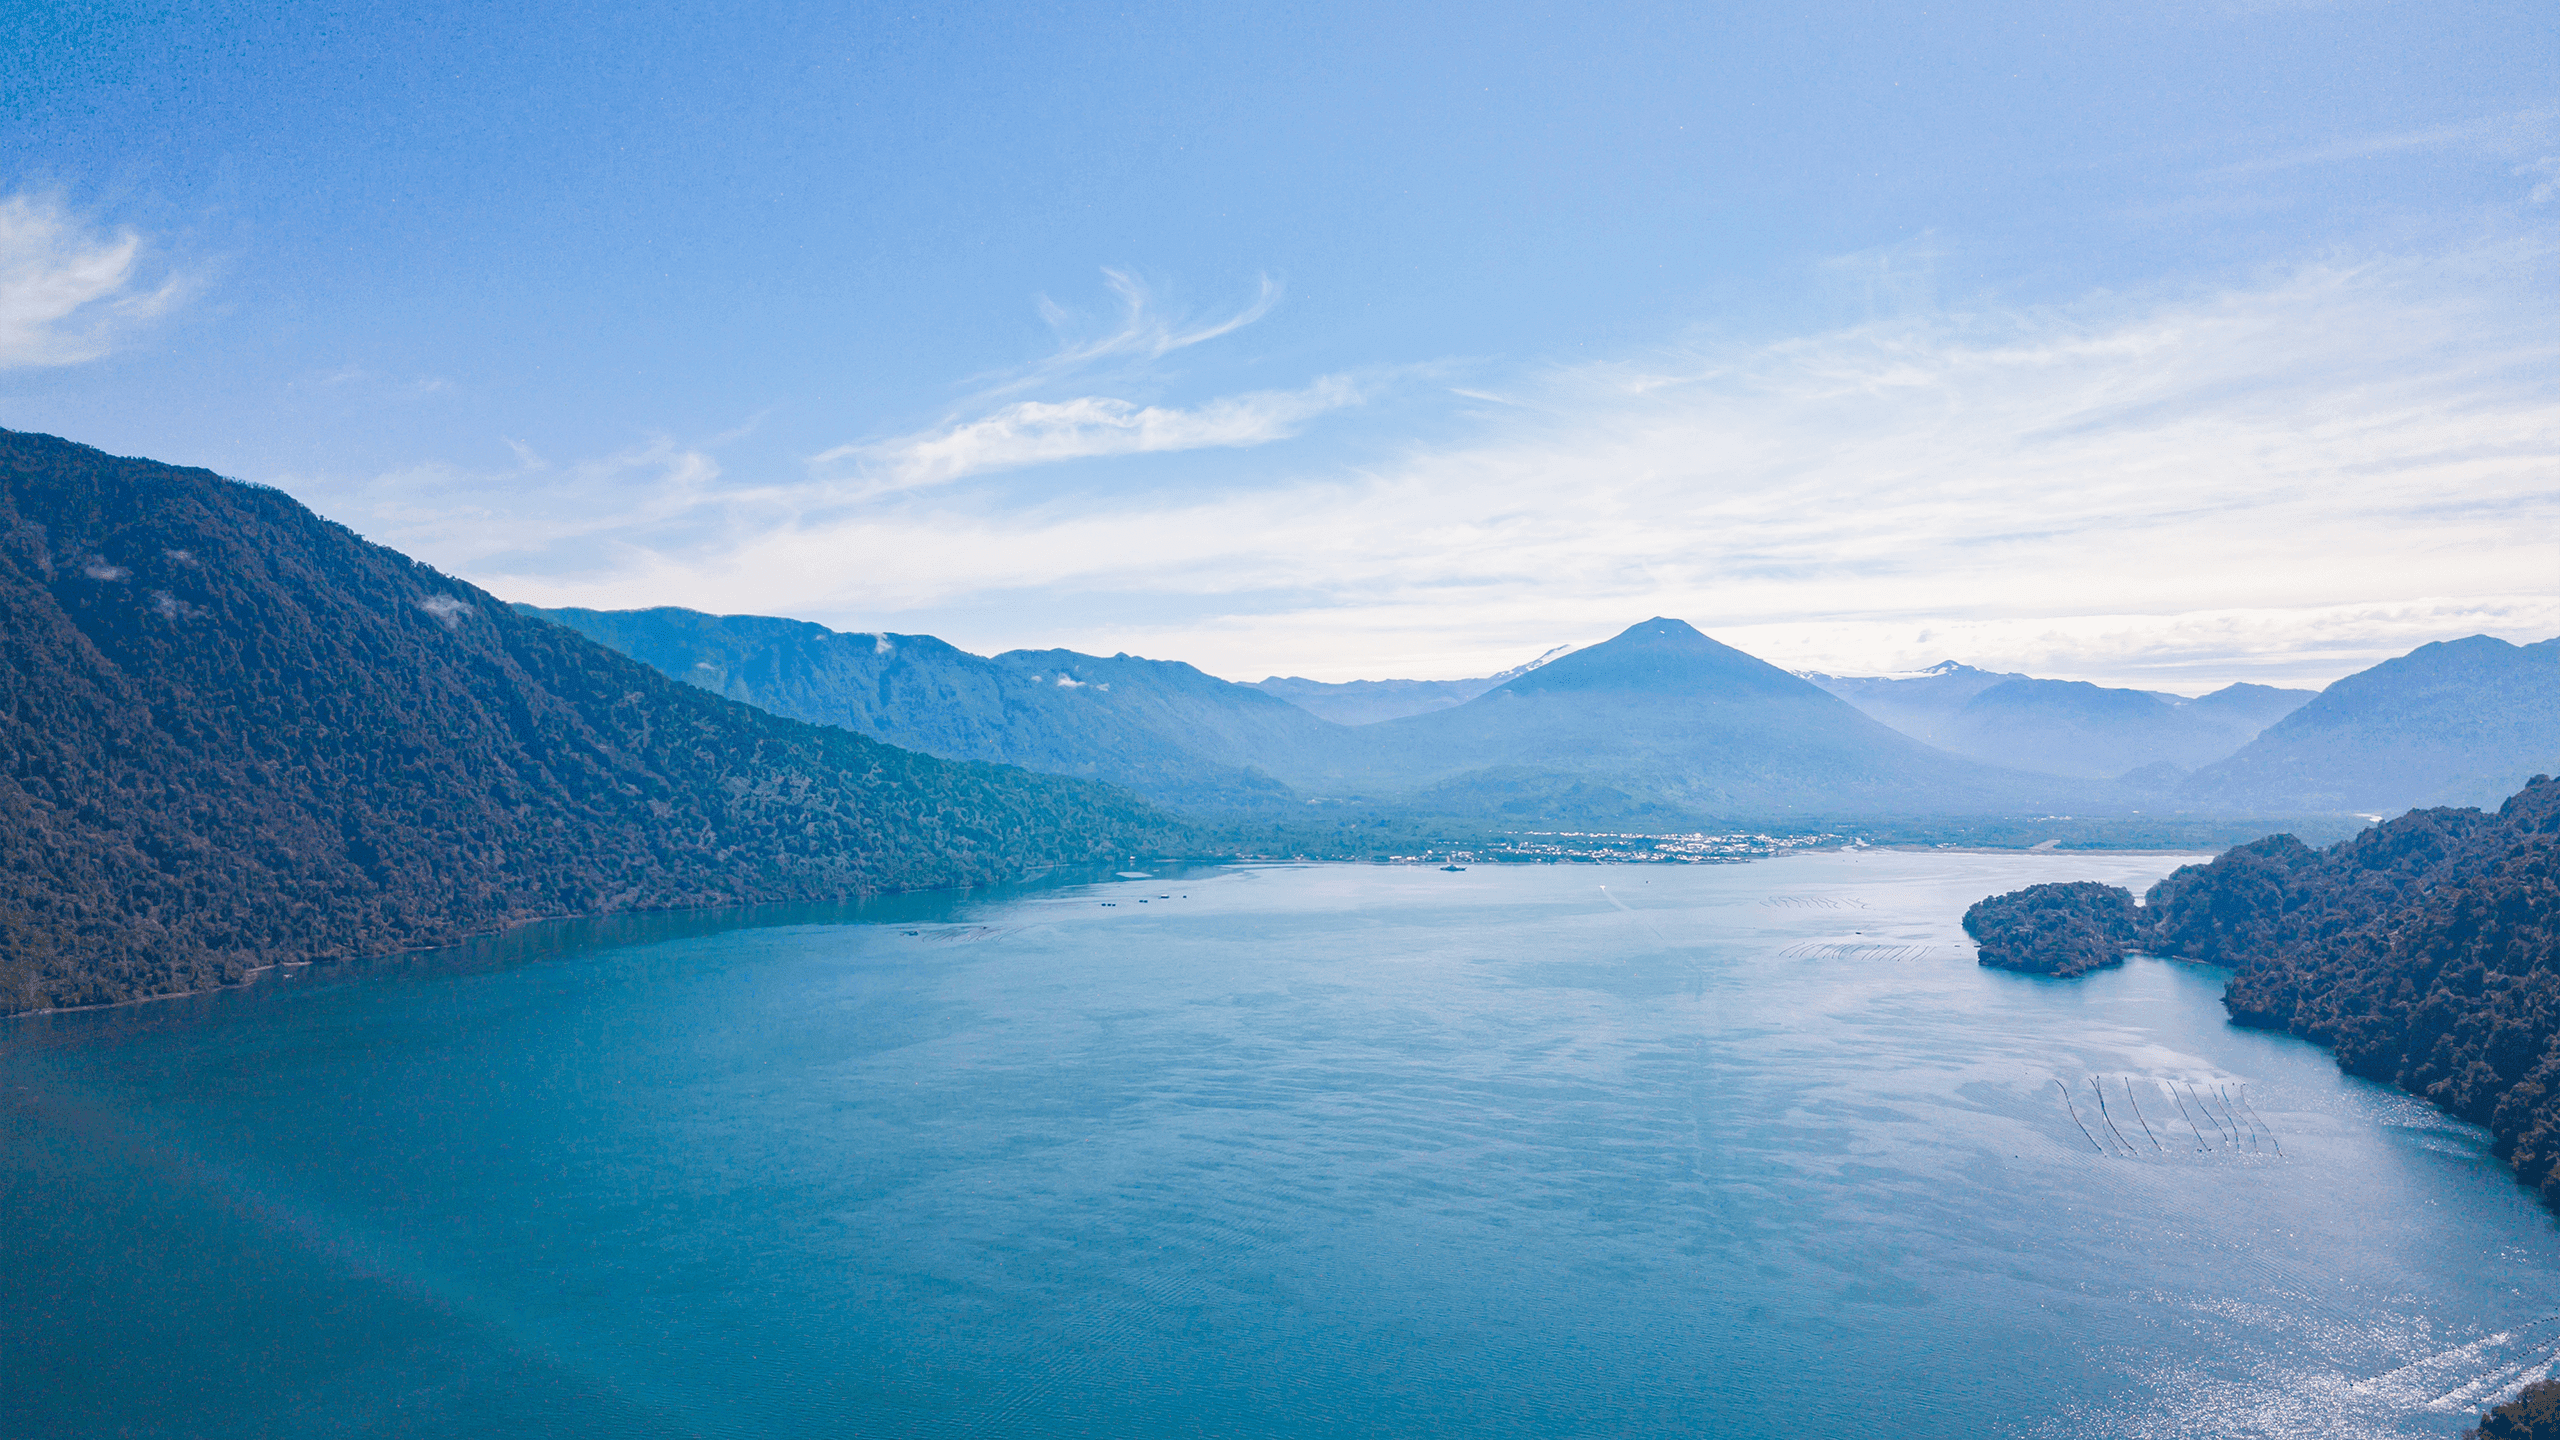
x: 2460, y: 722
x: 2424, y: 951
x: 233, y: 733
x: 925, y: 694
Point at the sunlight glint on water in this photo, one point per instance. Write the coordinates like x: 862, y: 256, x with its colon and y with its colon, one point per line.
x: 1291, y: 1151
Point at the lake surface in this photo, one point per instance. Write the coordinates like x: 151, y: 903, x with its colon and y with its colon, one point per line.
x: 1287, y: 1151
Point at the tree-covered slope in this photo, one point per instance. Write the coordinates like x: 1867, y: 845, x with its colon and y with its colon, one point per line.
x: 2062, y: 930
x: 1220, y: 721
x: 233, y: 733
x: 924, y: 694
x: 2424, y: 951
x: 2461, y: 722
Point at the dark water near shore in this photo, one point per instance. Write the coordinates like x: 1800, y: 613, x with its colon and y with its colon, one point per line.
x: 1745, y: 1150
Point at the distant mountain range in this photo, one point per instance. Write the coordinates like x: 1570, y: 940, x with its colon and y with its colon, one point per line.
x: 237, y: 735
x: 1658, y: 726
x: 234, y: 734
x: 2460, y: 722
x: 1158, y: 727
x: 2067, y: 727
x: 1366, y: 702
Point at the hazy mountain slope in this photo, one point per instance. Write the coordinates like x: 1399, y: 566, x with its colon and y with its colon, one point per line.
x: 1218, y: 720
x: 2460, y: 722
x: 921, y: 693
x: 2063, y: 727
x: 1918, y: 704
x: 2070, y: 727
x: 2251, y: 708
x: 1661, y: 721
x: 1366, y: 702
x: 234, y: 734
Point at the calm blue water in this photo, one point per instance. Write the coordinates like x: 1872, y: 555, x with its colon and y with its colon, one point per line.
x: 1552, y: 1151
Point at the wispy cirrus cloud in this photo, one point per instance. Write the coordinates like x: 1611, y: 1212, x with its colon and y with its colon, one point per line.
x: 1036, y: 432
x: 993, y: 432
x: 2283, y: 480
x: 1144, y: 330
x: 2522, y: 132
x: 68, y: 291
x: 597, y: 515
x: 2544, y: 172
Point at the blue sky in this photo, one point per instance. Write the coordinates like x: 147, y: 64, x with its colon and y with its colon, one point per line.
x: 2163, y: 344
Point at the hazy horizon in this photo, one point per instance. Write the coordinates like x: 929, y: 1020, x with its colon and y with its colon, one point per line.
x: 2157, y: 348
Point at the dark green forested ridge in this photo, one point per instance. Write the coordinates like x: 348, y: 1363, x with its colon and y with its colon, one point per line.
x: 2425, y: 951
x: 233, y: 733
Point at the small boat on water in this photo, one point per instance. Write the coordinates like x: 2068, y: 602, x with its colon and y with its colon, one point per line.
x: 1453, y: 867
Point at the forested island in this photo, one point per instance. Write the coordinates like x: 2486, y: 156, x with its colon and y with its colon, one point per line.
x: 2060, y: 930
x: 2425, y: 952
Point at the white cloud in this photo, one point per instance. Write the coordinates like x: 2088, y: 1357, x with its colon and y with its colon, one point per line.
x: 1144, y: 331
x: 593, y: 516
x: 2283, y: 481
x: 1035, y: 432
x: 994, y: 433
x: 2494, y: 134
x: 448, y: 611
x: 67, y: 292
x: 2545, y: 174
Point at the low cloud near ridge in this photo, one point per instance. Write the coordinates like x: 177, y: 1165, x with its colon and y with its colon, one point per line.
x: 2284, y: 481
x: 68, y: 292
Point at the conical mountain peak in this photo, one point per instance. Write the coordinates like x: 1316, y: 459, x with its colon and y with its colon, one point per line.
x: 1659, y: 656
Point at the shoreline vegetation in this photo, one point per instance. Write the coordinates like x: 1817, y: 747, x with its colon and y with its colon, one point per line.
x: 234, y: 734
x: 2424, y: 953
x: 1522, y: 848
x: 1443, y: 844
x: 2533, y: 1415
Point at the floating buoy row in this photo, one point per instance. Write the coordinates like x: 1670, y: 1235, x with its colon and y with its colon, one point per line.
x: 2237, y: 1128
x: 1851, y: 950
x: 2075, y: 1117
